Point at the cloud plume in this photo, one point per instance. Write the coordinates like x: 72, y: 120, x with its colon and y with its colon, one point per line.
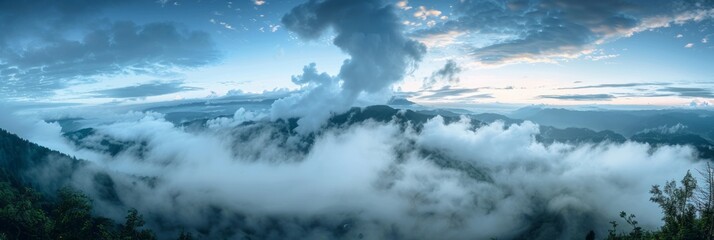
x: 449, y: 73
x: 370, y: 33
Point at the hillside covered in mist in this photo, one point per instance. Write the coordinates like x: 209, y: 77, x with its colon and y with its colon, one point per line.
x: 374, y: 172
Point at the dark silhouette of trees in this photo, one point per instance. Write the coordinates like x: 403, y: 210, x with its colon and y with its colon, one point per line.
x: 130, y: 230
x: 25, y: 214
x: 21, y: 216
x: 678, y: 206
x: 704, y: 199
x: 687, y: 208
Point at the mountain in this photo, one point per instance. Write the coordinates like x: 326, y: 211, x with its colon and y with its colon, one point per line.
x: 627, y: 123
x: 383, y: 113
x: 28, y: 164
x: 577, y: 135
x: 18, y: 157
x: 704, y: 148
x: 400, y: 102
x: 595, y: 133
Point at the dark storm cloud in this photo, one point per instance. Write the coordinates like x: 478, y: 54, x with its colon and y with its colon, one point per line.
x: 448, y: 73
x: 616, y: 85
x: 540, y: 30
x: 44, y: 19
x: 145, y: 90
x: 690, y: 91
x: 371, y: 33
x: 580, y: 97
x: 50, y: 46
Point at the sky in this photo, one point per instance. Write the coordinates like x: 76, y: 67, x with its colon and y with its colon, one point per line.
x: 462, y: 52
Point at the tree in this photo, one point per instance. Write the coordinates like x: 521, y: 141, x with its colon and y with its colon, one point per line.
x: 21, y: 215
x: 185, y: 235
x: 677, y: 203
x: 72, y: 215
x: 705, y: 201
x: 590, y: 236
x: 130, y: 229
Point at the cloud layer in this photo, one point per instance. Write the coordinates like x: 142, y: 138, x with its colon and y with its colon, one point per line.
x: 581, y: 97
x: 144, y: 90
x: 370, y: 179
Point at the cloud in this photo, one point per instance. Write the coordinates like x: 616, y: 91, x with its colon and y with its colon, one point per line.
x: 448, y: 93
x: 404, y: 5
x: 690, y: 91
x: 371, y: 33
x: 423, y: 13
x: 32, y: 19
x: 448, y: 73
x: 553, y: 30
x: 320, y: 97
x: 689, y: 45
x: 144, y: 90
x: 258, y: 2
x: 375, y: 180
x: 700, y: 103
x: 580, y: 97
x: 617, y: 85
x: 42, y: 58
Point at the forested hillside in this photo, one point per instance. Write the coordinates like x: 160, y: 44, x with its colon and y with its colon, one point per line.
x: 26, y: 213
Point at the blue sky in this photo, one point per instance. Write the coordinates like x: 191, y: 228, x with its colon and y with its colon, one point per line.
x: 558, y: 52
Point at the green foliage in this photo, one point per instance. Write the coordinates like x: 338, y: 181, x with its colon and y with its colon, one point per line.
x: 687, y: 210
x: 680, y: 213
x: 73, y: 215
x: 185, y: 236
x: 20, y: 214
x: 25, y: 214
x: 637, y: 233
x: 130, y: 229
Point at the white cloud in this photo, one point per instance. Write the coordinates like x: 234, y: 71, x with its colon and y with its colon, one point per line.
x: 703, y: 103
x: 445, y: 181
x: 380, y: 174
x: 375, y: 62
x: 259, y: 2
x: 423, y: 13
x: 689, y: 45
x: 274, y: 28
x: 404, y: 5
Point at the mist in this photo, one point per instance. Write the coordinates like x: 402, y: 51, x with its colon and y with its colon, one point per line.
x: 369, y: 180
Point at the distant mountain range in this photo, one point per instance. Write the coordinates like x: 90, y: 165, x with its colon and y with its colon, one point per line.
x: 627, y: 123
x: 556, y: 125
